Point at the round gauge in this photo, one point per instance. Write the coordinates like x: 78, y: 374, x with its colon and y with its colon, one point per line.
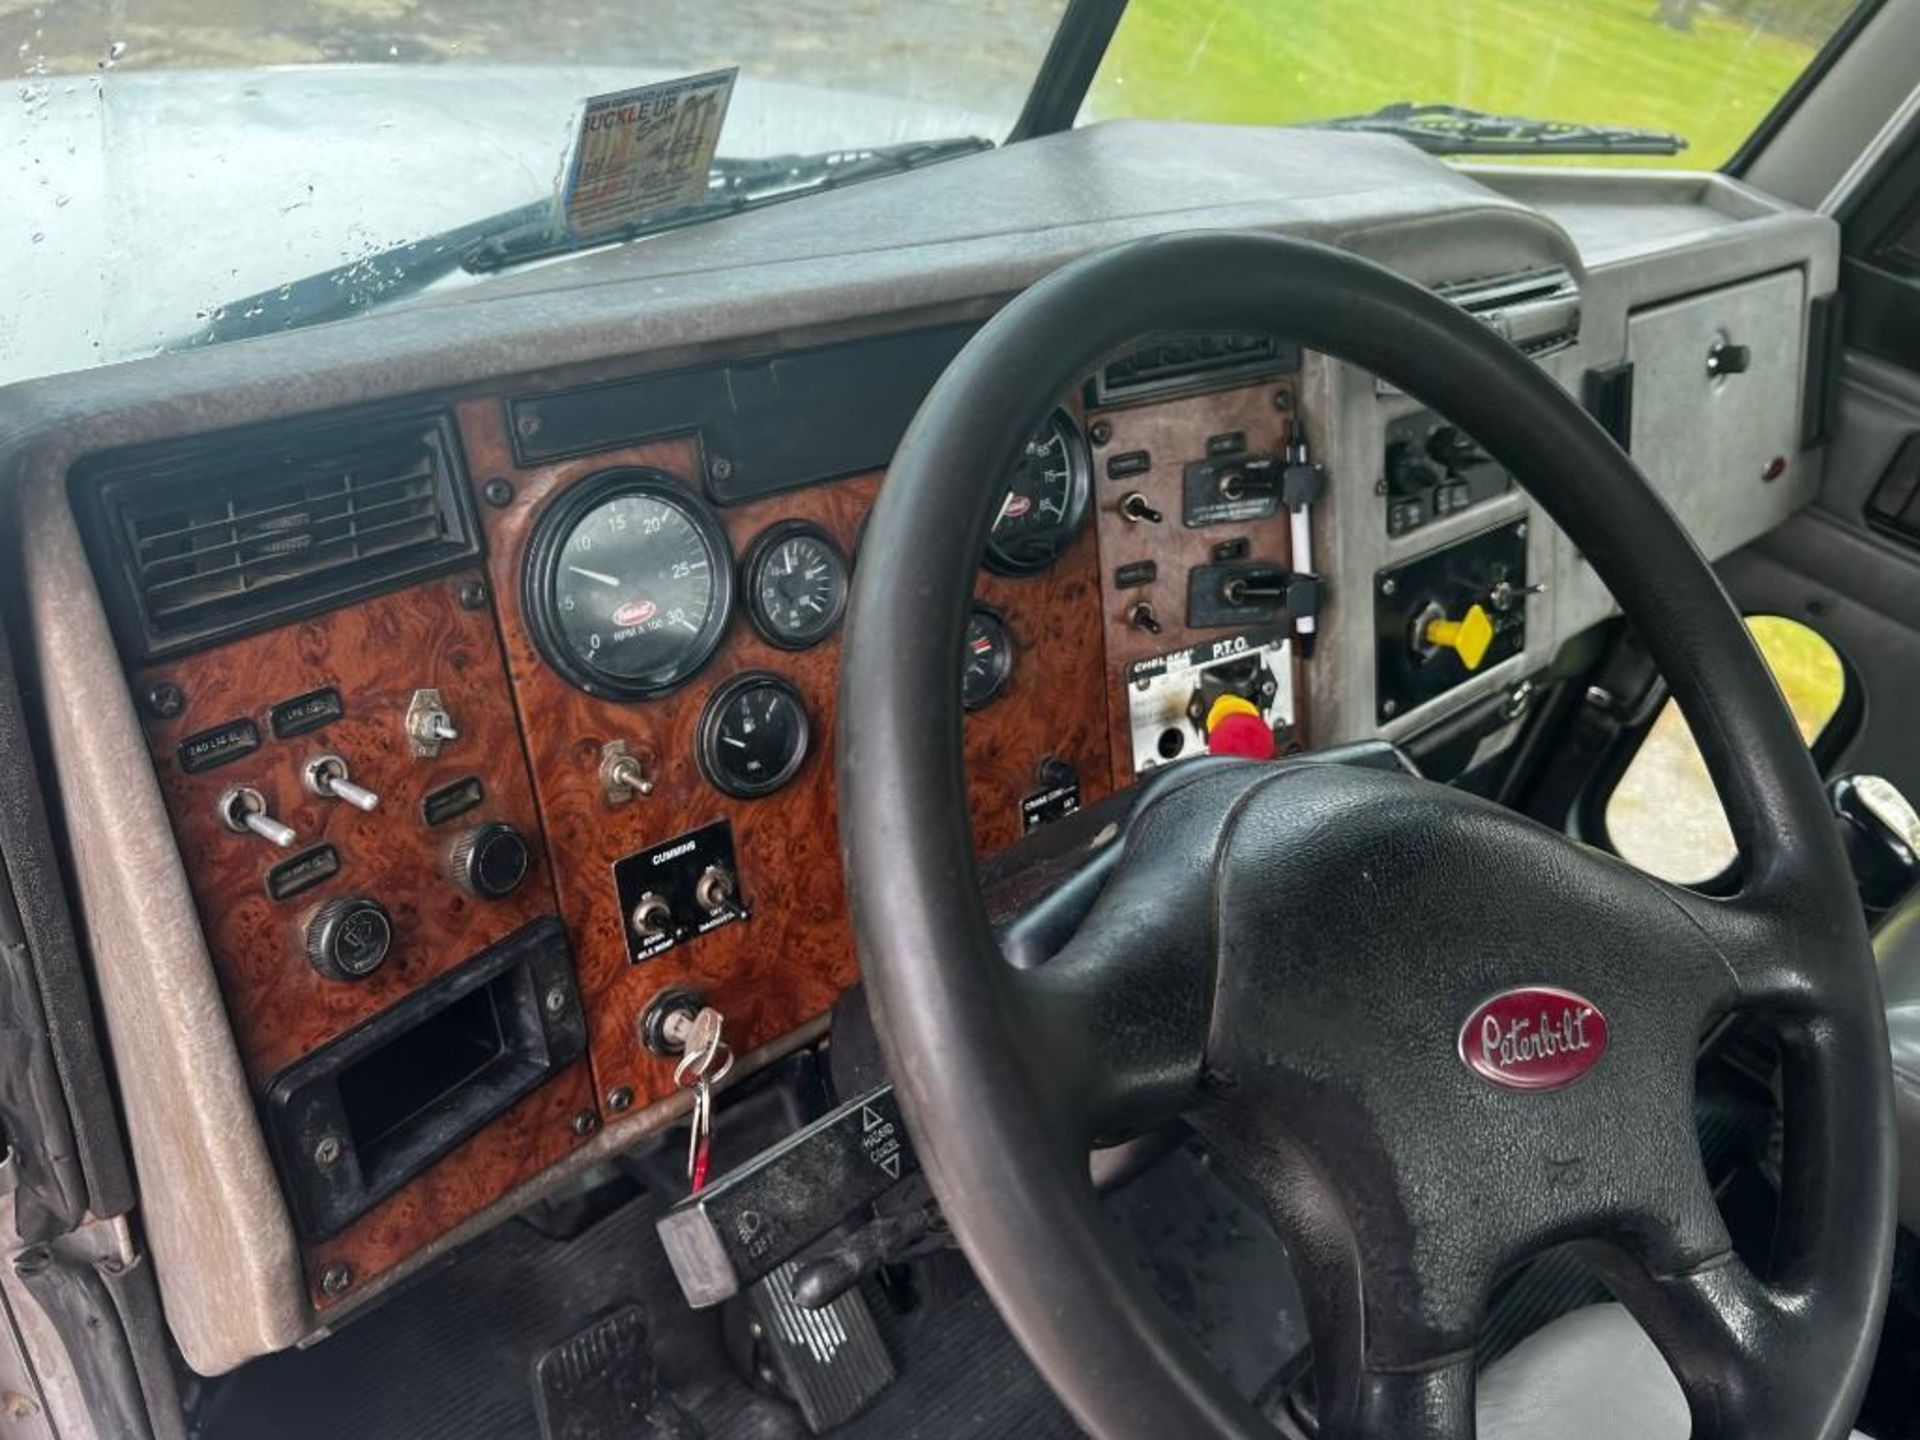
x: 988, y: 663
x: 796, y: 582
x: 1046, y: 500
x: 753, y: 735
x: 628, y: 584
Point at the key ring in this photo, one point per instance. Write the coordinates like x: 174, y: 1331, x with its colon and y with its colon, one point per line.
x: 693, y: 1067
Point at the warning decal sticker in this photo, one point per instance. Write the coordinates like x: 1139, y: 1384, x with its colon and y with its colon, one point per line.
x: 644, y: 152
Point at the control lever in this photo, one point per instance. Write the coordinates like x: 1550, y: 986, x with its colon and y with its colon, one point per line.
x: 749, y: 1222
x: 1882, y: 834
x: 886, y: 1240
x: 1253, y: 478
x: 1256, y: 585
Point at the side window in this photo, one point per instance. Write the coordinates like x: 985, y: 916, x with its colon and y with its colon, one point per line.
x: 1663, y: 815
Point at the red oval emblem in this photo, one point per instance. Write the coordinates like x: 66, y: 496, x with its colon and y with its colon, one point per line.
x: 635, y: 612
x: 1534, y: 1038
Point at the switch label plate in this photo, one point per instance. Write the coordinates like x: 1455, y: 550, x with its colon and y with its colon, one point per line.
x: 672, y: 870
x: 1162, y: 688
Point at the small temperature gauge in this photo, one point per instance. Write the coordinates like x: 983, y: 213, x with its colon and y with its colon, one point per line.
x: 796, y: 584
x: 987, y: 661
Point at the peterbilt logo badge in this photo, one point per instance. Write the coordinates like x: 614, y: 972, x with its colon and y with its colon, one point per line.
x: 1534, y: 1038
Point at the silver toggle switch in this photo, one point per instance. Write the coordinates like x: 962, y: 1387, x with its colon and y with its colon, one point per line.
x: 429, y: 724
x: 326, y: 776
x: 622, y: 775
x: 243, y: 809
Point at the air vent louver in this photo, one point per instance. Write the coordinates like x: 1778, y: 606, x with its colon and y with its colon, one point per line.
x: 214, y: 539
x: 1538, y: 311
x: 1201, y: 360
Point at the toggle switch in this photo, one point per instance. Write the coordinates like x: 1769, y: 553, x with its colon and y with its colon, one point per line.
x: 1135, y: 508
x: 326, y: 776
x: 622, y: 776
x: 243, y: 809
x: 1141, y: 617
x: 652, y: 918
x: 1468, y: 637
x: 715, y: 893
x: 429, y: 724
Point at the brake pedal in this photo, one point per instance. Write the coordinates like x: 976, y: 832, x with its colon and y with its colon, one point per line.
x: 830, y: 1361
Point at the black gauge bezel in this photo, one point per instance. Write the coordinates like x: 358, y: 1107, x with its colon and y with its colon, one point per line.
x: 707, y: 744
x: 763, y: 546
x: 550, y: 534
x: 1079, y: 501
x: 1006, y: 669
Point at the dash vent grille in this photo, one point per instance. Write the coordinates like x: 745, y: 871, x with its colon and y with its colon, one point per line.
x: 211, y: 544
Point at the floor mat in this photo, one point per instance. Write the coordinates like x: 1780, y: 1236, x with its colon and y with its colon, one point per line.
x: 451, y: 1354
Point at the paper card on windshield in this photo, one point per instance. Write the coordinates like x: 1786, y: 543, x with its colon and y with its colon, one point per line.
x: 644, y: 152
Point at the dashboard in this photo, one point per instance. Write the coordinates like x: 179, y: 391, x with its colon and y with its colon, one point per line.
x: 441, y: 701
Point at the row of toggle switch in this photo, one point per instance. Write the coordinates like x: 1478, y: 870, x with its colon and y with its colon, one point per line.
x: 243, y: 809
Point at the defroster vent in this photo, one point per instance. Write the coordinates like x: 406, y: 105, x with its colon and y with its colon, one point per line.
x: 217, y: 537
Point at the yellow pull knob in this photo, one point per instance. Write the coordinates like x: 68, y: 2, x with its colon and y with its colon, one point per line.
x: 1468, y: 637
x: 1230, y: 705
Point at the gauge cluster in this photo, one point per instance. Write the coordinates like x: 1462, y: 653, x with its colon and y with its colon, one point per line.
x: 630, y: 582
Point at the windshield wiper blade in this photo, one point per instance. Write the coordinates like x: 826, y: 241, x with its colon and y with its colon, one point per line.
x: 1456, y: 130
x: 529, y: 232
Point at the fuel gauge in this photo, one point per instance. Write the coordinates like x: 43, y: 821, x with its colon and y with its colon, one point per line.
x: 753, y: 735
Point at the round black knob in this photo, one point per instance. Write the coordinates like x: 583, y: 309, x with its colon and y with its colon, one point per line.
x: 348, y: 939
x: 1453, y: 449
x: 491, y: 860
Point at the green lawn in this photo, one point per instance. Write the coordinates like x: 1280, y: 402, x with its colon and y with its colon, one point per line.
x: 1278, y: 61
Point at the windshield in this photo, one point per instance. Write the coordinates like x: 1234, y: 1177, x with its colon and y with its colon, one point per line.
x: 1705, y: 72
x: 162, y: 158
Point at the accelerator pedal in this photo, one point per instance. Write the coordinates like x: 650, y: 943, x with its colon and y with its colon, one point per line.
x: 602, y: 1385
x: 830, y: 1361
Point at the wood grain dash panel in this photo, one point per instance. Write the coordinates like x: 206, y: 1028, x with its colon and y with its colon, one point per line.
x: 793, y: 958
x: 375, y: 653
x: 1173, y: 433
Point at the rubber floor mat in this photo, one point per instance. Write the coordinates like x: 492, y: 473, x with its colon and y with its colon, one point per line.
x: 451, y: 1356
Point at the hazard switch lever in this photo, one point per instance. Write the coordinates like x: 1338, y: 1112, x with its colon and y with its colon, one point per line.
x: 753, y: 1219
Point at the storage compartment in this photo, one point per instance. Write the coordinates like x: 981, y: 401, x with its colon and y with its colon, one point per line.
x: 356, y: 1120
x: 1716, y: 399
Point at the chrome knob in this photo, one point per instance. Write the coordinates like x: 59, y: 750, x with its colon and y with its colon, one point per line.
x: 326, y: 776
x: 243, y: 809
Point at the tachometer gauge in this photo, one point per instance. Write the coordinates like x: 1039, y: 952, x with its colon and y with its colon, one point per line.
x: 753, y: 735
x: 988, y: 661
x: 628, y: 584
x: 1046, y: 500
x: 796, y: 584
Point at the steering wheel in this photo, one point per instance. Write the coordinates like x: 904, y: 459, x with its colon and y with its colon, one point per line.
x: 1302, y: 958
